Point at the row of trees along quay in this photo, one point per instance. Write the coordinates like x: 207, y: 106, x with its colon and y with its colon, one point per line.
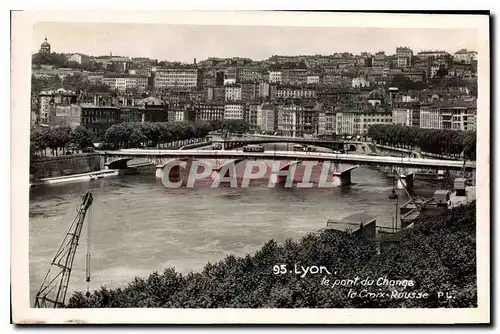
x: 157, y: 134
x: 58, y: 137
x: 128, y: 135
x: 447, y: 142
x: 249, y: 282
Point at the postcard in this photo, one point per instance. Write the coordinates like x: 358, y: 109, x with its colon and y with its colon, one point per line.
x: 250, y: 167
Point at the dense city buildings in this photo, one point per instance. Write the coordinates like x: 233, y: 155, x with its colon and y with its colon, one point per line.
x: 341, y: 93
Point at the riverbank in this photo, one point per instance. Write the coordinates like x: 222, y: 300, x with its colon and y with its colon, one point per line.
x: 75, y: 177
x: 66, y: 165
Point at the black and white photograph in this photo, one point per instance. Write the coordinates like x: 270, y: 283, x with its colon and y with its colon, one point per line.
x: 250, y: 167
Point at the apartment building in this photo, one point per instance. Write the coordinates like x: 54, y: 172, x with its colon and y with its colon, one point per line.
x: 178, y: 78
x: 266, y: 117
x: 95, y: 78
x: 404, y: 51
x: 461, y: 116
x: 122, y: 82
x: 430, y: 117
x: 250, y: 74
x: 358, y: 122
x: 326, y: 122
x: 79, y: 58
x: 263, y: 89
x: 234, y: 111
x: 251, y: 115
x: 285, y: 92
x: 403, y: 62
x: 456, y: 117
x: 209, y: 111
x: 294, y: 76
x: 98, y: 119
x: 359, y: 82
x: 233, y: 93
x: 424, y: 55
x: 249, y: 91
x: 49, y: 100
x: 289, y: 120
x: 464, y: 56
x: 275, y: 77
x: 313, y: 79
x: 402, y: 115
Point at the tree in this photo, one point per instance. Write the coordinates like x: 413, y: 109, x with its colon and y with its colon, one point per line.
x: 97, y: 88
x: 55, y: 59
x: 402, y: 82
x: 58, y: 137
x: 82, y: 137
x: 448, y: 142
x: 38, y: 85
x: 116, y: 135
x: 39, y: 137
x: 75, y: 82
x: 442, y: 71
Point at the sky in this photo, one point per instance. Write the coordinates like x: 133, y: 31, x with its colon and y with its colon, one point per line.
x: 186, y: 42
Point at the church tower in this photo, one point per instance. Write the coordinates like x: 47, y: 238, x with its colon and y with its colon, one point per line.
x: 45, y: 47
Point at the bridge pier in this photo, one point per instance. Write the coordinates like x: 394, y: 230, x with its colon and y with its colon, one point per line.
x: 175, y: 170
x: 279, y: 174
x: 216, y: 171
x: 344, y: 175
x: 283, y: 173
x: 229, y: 170
x: 159, y: 172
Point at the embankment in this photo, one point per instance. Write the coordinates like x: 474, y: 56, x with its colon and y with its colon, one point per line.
x: 64, y: 165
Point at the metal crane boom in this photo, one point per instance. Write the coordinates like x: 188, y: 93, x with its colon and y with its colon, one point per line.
x: 417, y: 206
x: 52, y: 292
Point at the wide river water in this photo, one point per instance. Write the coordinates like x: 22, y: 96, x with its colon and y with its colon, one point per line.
x: 138, y: 226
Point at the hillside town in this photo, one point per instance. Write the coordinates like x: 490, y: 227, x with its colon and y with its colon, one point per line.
x: 297, y: 96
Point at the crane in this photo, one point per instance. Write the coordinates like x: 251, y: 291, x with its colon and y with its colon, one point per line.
x: 417, y: 205
x: 52, y: 292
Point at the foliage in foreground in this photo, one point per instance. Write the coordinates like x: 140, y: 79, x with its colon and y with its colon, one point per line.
x: 438, y: 255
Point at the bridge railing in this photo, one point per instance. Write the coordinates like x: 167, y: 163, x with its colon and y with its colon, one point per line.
x: 352, y: 141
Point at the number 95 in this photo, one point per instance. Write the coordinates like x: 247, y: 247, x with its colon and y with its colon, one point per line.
x: 281, y: 269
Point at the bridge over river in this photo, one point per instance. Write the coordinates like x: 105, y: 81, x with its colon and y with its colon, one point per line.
x: 403, y: 166
x: 159, y: 157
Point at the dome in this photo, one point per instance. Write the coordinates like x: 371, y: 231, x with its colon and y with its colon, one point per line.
x: 45, y: 43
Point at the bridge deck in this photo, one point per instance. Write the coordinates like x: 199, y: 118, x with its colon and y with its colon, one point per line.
x: 289, y: 155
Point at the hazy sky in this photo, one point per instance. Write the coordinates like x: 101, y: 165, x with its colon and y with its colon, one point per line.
x: 185, y: 42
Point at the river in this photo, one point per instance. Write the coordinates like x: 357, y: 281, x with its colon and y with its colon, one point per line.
x: 138, y: 226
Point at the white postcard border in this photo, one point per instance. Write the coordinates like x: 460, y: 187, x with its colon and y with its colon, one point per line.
x: 21, y: 37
